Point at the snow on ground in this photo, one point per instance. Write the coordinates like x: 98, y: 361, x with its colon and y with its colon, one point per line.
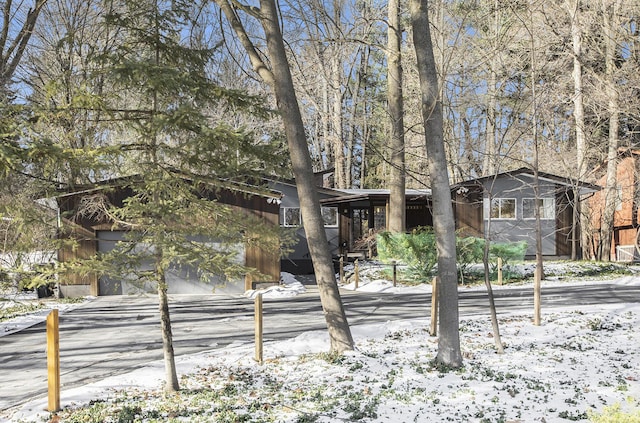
x: 581, y: 359
x: 289, y: 287
x: 44, y: 307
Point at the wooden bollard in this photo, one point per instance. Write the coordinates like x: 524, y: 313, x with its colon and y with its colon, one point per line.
x: 395, y: 272
x: 356, y: 270
x: 499, y: 270
x: 258, y: 327
x: 342, y: 270
x: 433, y: 331
x: 53, y: 360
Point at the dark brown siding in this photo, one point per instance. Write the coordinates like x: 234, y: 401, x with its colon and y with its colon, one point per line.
x: 468, y: 213
x: 84, y: 246
x: 564, y: 222
x: 265, y: 262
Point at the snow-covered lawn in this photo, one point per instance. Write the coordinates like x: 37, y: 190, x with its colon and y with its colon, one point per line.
x: 579, y: 361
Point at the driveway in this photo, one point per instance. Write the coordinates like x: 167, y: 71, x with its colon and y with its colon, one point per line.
x: 113, y: 335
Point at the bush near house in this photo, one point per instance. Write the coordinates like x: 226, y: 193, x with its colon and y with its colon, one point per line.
x: 417, y: 251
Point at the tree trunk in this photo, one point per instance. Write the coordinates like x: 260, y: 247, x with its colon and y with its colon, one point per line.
x: 397, y: 209
x: 489, y: 159
x: 443, y: 222
x: 279, y: 77
x: 487, y: 281
x: 610, y: 13
x: 337, y: 133
x: 578, y: 115
x: 171, y: 375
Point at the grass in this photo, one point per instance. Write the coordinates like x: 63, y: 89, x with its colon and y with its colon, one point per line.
x: 12, y: 309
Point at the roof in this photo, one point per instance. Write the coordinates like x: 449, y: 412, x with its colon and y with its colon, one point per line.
x: 349, y: 195
x: 122, y: 181
x: 529, y: 174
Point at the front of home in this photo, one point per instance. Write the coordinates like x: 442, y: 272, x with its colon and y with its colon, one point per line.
x: 502, y: 207
x: 95, y: 235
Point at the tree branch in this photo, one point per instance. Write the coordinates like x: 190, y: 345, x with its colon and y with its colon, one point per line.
x: 257, y: 62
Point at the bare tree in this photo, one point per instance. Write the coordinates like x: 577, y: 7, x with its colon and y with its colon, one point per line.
x: 277, y: 74
x: 610, y: 14
x: 573, y: 9
x: 15, y: 20
x: 397, y: 210
x: 443, y: 222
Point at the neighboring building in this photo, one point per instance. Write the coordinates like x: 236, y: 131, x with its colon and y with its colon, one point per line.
x: 95, y: 235
x: 626, y: 219
x: 505, y: 203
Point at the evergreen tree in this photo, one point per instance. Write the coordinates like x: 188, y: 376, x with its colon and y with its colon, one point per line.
x: 174, y: 156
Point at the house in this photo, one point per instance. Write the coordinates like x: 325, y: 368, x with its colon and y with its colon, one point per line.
x: 364, y: 212
x: 626, y: 219
x: 504, y: 205
x: 350, y: 216
x: 297, y: 259
x: 94, y: 234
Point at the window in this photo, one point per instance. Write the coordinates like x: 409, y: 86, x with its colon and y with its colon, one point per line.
x: 290, y: 216
x: 379, y: 217
x: 330, y: 216
x: 547, y: 208
x: 501, y: 208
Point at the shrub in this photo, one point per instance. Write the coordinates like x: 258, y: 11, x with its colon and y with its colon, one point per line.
x: 469, y: 250
x: 614, y: 414
x: 417, y: 250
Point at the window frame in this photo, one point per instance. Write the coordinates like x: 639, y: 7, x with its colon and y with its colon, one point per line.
x: 543, y: 207
x: 286, y: 224
x: 283, y: 217
x: 335, y: 213
x: 488, y: 208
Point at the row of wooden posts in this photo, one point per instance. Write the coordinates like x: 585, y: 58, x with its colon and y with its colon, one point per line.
x: 394, y: 265
x: 53, y: 331
x: 433, y: 330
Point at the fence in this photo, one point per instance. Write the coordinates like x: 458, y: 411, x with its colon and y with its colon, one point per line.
x: 627, y: 253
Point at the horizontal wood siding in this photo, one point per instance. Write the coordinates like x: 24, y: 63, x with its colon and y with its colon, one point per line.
x: 468, y: 213
x: 564, y: 222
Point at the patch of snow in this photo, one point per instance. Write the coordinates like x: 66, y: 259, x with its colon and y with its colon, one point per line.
x: 289, y: 287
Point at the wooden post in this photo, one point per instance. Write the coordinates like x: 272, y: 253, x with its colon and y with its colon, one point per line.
x: 356, y: 269
x: 341, y: 269
x: 537, y: 279
x: 434, y: 307
x: 53, y: 359
x: 395, y: 269
x: 258, y: 327
x: 499, y: 270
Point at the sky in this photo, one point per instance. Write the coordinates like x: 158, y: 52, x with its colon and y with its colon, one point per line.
x: 579, y: 359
